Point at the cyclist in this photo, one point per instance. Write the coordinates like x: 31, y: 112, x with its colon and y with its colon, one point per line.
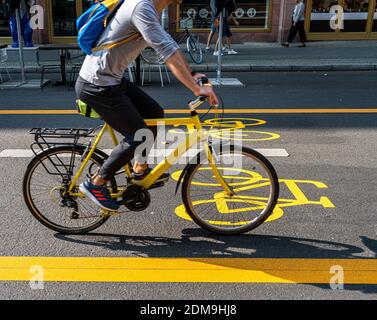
x: 121, y: 104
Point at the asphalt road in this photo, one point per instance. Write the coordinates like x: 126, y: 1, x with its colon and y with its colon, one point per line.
x: 329, y: 180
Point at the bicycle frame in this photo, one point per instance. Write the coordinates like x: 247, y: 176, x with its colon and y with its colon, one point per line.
x: 184, y: 36
x: 198, y: 135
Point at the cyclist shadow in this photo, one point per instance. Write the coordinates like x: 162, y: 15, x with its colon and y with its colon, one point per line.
x: 198, y: 244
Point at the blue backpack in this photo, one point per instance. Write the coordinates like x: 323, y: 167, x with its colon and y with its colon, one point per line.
x: 92, y: 23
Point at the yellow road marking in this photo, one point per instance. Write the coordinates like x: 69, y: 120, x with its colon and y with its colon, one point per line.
x: 204, y: 270
x: 186, y: 111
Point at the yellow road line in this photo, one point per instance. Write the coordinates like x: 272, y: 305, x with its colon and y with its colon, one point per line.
x: 186, y: 111
x: 202, y: 270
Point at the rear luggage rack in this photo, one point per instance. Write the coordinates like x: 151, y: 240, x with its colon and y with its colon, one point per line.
x: 46, y: 138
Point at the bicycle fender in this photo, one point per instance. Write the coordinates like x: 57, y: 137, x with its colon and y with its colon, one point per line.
x: 184, y: 171
x: 98, y: 152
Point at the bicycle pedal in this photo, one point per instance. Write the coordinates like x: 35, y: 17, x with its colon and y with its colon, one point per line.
x: 157, y: 185
x: 108, y: 213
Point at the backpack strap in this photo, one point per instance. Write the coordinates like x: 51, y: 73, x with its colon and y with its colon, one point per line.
x: 112, y: 45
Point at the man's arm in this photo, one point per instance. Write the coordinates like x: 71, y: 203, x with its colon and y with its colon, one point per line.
x: 235, y: 21
x: 146, y: 21
x: 179, y: 67
x: 298, y: 12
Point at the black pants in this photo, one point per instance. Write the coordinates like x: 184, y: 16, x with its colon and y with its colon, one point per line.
x: 300, y: 27
x: 124, y: 107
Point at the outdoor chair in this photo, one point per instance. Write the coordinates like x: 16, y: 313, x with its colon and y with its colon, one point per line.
x: 3, y: 64
x: 151, y: 59
x: 49, y: 60
x: 75, y: 59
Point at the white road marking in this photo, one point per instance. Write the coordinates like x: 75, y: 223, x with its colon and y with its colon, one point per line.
x: 26, y: 153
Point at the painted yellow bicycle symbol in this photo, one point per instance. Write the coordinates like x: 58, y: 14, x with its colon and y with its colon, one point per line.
x: 247, y: 180
x: 236, y: 129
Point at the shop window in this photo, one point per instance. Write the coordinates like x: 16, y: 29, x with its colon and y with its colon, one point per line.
x: 64, y: 18
x: 355, y: 15
x: 321, y: 15
x: 252, y: 14
x: 4, y: 20
x: 86, y: 4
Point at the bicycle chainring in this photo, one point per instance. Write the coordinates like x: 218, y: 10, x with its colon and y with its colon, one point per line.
x: 136, y: 199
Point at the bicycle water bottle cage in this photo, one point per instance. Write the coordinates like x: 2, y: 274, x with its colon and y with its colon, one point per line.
x: 86, y: 111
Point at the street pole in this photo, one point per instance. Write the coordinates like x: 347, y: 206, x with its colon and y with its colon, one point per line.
x: 219, y: 80
x: 20, y: 45
x: 165, y: 18
x: 220, y: 48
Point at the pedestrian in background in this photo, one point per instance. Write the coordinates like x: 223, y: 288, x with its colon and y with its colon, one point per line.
x: 298, y: 24
x: 214, y: 23
x: 216, y: 8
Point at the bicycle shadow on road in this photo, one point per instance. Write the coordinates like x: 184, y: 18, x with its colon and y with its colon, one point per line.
x: 198, y: 244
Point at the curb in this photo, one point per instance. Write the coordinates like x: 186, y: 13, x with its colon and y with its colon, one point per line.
x: 244, y: 68
x: 286, y: 68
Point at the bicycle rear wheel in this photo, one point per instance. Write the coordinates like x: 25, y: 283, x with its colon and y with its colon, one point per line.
x: 47, y: 178
x: 252, y: 178
x: 194, y: 49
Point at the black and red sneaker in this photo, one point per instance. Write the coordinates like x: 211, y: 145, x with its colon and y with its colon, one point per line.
x: 100, y: 195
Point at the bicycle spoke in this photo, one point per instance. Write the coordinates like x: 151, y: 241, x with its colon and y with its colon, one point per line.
x: 69, y: 213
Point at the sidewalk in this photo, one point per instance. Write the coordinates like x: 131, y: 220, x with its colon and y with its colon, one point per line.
x: 317, y: 56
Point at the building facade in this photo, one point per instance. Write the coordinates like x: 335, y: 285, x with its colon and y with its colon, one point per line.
x: 260, y: 20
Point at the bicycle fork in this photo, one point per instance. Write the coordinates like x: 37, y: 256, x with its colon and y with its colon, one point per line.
x: 211, y: 159
x: 212, y: 162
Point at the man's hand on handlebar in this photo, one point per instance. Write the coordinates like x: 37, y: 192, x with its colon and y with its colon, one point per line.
x: 208, y: 92
x: 205, y: 89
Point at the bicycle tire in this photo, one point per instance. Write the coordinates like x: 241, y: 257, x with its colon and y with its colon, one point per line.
x: 194, y: 49
x: 28, y: 197
x: 217, y: 229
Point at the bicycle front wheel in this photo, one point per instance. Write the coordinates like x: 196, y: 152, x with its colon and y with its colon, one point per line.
x: 251, y: 177
x: 45, y: 186
x: 194, y: 49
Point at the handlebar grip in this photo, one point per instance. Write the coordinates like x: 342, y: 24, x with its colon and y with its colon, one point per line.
x: 203, y: 81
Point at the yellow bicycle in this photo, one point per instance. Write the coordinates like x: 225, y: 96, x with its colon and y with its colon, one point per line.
x: 62, y: 161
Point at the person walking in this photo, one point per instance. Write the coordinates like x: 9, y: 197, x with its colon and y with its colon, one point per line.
x: 216, y: 8
x: 298, y: 24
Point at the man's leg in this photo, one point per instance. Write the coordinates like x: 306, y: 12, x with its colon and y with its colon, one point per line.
x: 27, y: 31
x: 117, y: 110
x: 148, y: 109
x: 302, y: 33
x: 211, y: 34
x: 128, y: 121
x: 13, y: 30
x: 292, y: 33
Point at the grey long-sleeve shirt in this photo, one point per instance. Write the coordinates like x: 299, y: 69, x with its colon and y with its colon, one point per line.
x: 299, y: 12
x: 107, y: 67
